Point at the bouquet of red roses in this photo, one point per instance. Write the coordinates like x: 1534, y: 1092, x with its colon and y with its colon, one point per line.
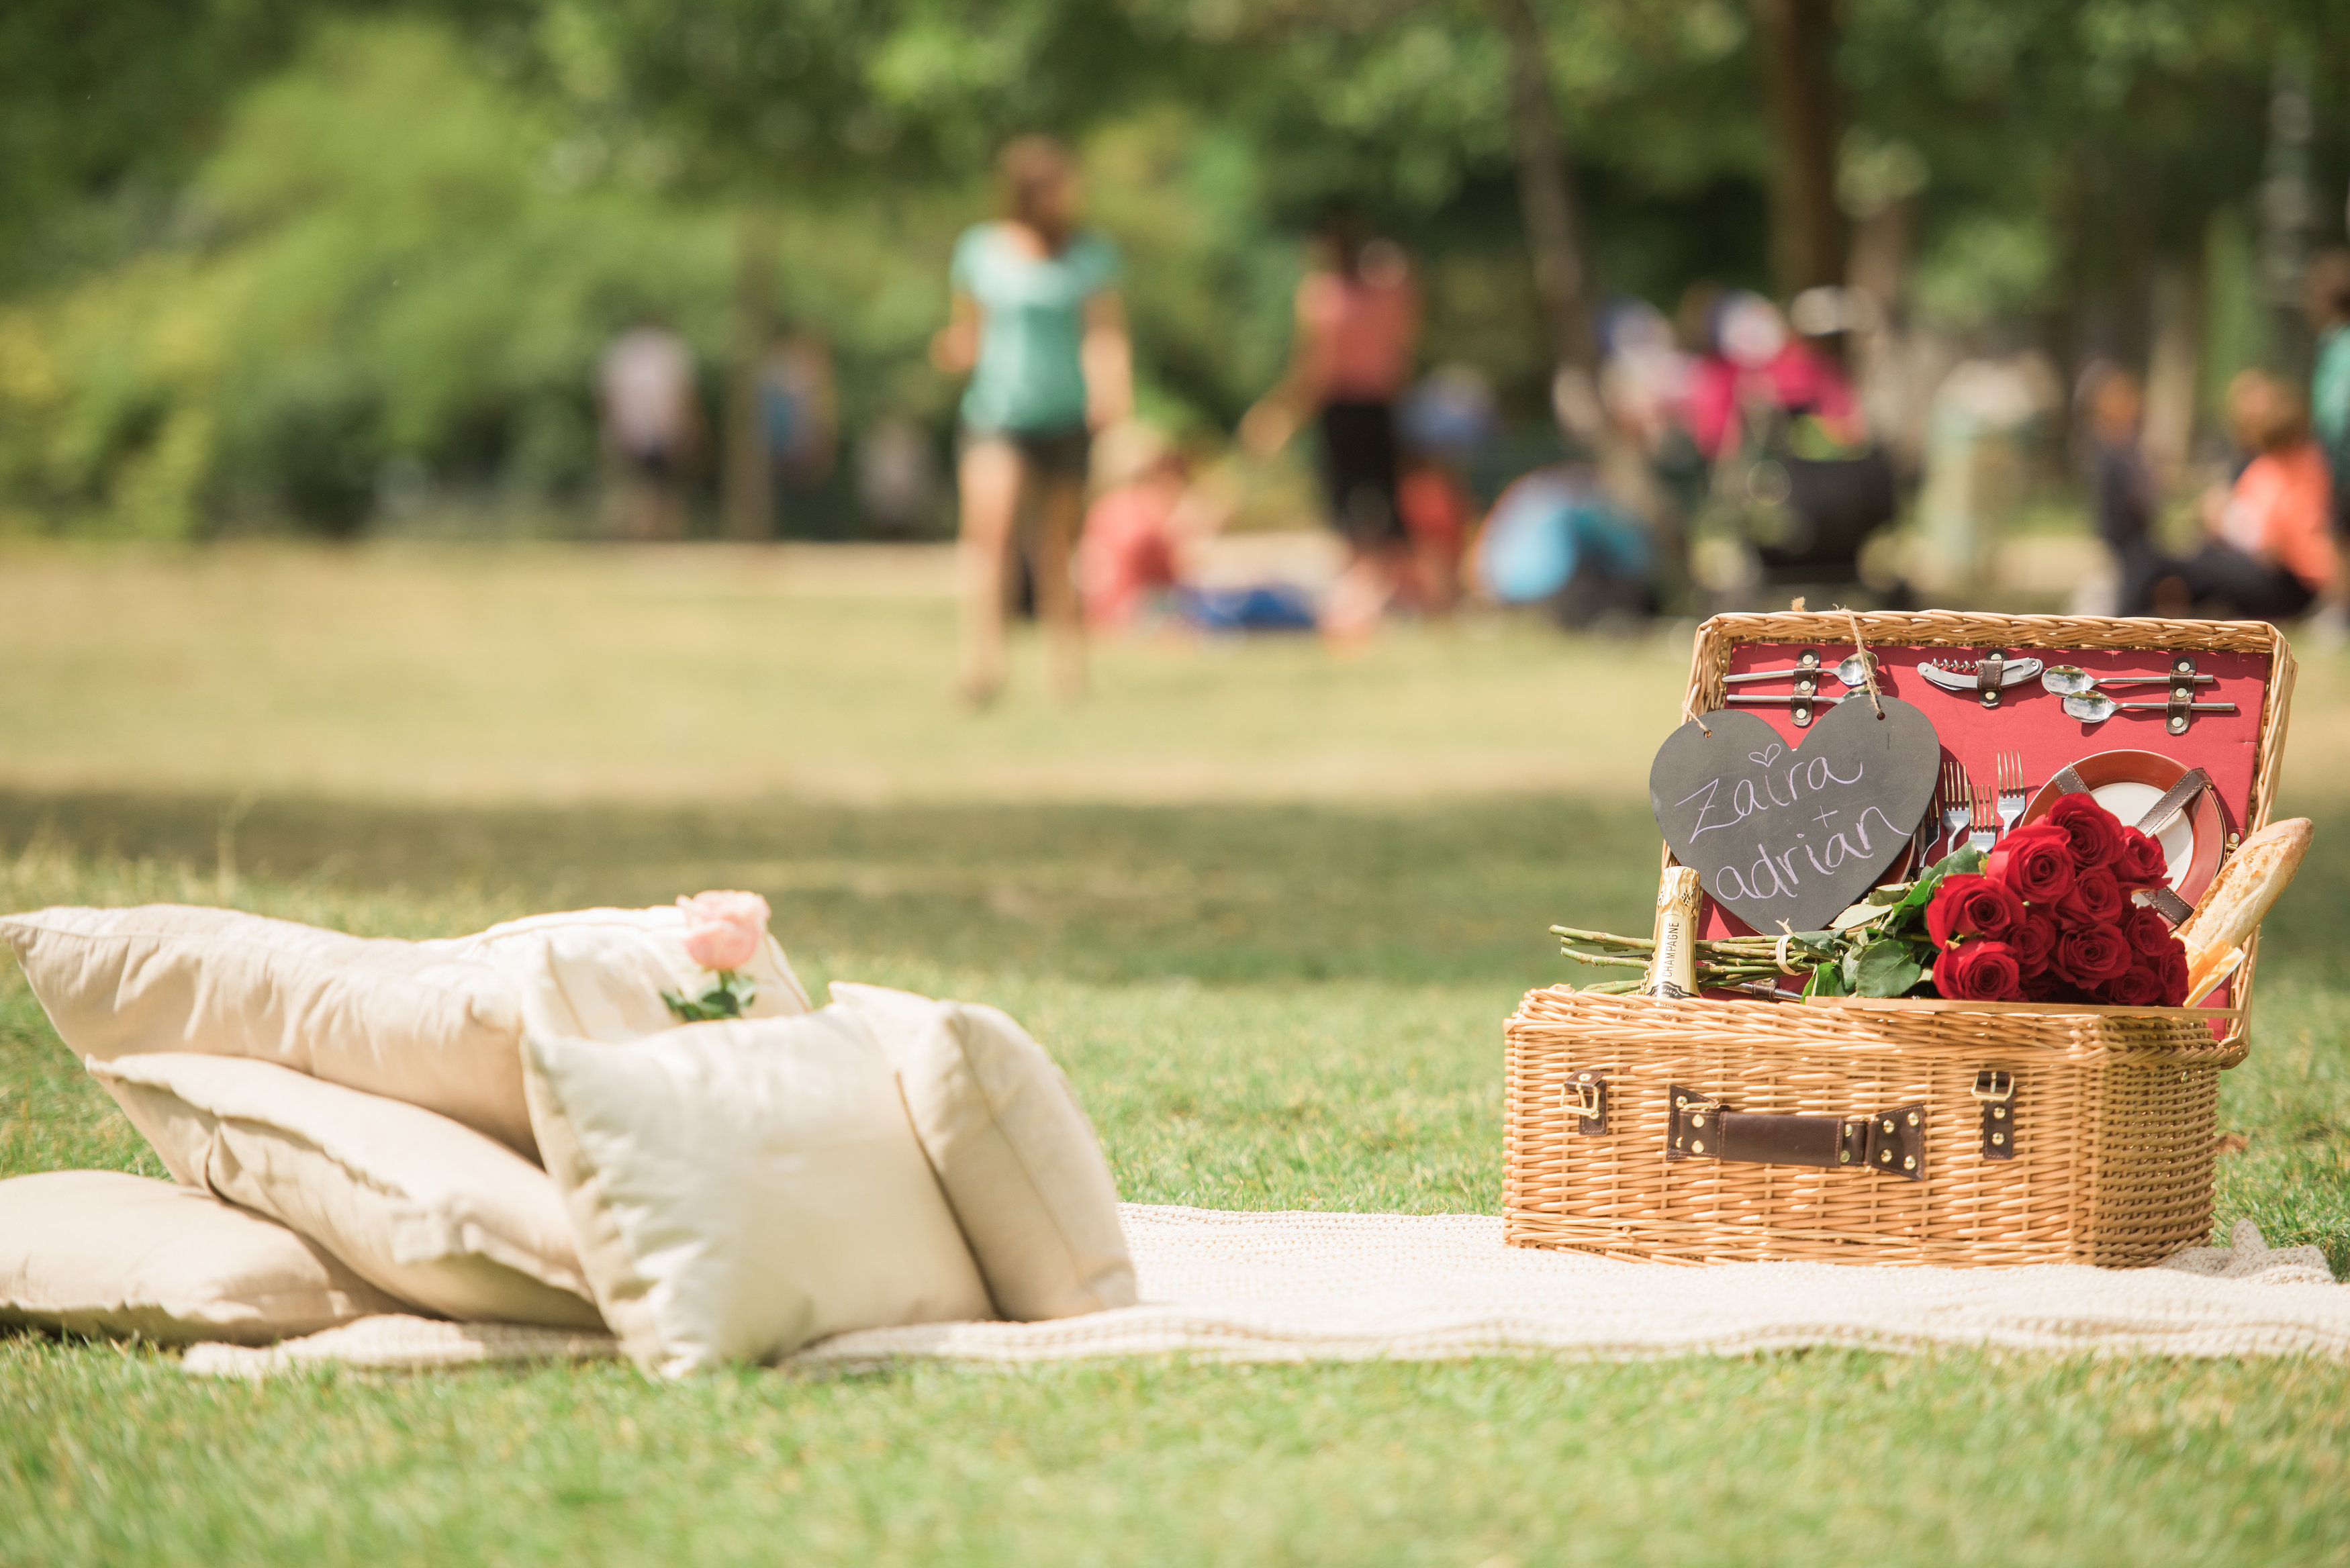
x: 2051, y: 914
x: 2053, y: 917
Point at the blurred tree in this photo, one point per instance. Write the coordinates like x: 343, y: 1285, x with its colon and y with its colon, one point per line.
x: 227, y: 291
x: 1805, y: 103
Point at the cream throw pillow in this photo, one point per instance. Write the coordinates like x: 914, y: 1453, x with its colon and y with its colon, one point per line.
x: 741, y: 1189
x: 408, y: 1019
x: 429, y: 1211
x: 599, y: 974
x: 1020, y: 1163
x: 99, y: 1252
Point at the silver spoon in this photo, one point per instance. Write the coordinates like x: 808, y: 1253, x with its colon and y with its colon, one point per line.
x: 1852, y: 669
x: 2095, y: 707
x: 2071, y: 679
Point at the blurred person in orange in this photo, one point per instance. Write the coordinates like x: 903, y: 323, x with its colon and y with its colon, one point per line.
x: 1038, y: 325
x: 1446, y: 421
x: 1357, y: 325
x: 2270, y: 554
x: 651, y: 427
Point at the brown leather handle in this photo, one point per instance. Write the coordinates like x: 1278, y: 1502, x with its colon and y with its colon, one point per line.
x: 1891, y: 1142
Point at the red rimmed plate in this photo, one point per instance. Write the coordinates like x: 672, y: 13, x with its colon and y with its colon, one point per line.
x: 2126, y: 784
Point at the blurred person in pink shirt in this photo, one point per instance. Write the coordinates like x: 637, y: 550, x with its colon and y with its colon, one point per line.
x: 2270, y: 554
x: 1755, y: 364
x: 1358, y: 328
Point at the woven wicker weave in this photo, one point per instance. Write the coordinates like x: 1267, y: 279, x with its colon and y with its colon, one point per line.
x: 2114, y: 1114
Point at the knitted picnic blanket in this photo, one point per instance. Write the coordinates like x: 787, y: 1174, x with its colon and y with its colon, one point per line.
x: 1310, y: 1286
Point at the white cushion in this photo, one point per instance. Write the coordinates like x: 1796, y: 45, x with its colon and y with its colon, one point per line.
x: 408, y: 1019
x: 741, y: 1189
x: 1021, y: 1164
x: 424, y: 1209
x: 599, y: 974
x: 99, y: 1252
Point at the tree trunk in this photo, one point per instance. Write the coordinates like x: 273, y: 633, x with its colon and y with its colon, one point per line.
x: 748, y: 502
x: 1545, y: 191
x: 1798, y: 40
x: 2174, y: 366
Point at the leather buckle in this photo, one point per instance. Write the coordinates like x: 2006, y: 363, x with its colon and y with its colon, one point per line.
x: 1996, y: 1092
x: 1987, y: 674
x: 1585, y: 1097
x: 2179, y: 711
x: 1807, y: 686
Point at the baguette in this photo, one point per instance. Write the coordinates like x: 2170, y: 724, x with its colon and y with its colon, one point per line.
x: 2239, y: 897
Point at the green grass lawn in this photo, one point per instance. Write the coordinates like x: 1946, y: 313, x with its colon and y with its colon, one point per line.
x: 1270, y: 935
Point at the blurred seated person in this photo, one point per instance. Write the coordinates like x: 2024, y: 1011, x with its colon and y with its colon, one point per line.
x: 2270, y: 554
x: 1130, y: 555
x: 1556, y: 539
x: 1445, y: 421
x: 1757, y: 368
x: 2121, y: 487
x: 1436, y: 511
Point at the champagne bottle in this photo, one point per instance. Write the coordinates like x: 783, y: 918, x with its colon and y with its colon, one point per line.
x: 1672, y: 967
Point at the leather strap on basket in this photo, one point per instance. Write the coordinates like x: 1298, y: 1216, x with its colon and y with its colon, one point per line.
x: 1996, y: 1092
x: 2175, y: 799
x: 1890, y: 1142
x: 2161, y: 815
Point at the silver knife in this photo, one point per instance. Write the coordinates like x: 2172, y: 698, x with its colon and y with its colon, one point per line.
x: 1956, y: 677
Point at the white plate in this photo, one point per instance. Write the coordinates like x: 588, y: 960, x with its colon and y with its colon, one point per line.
x: 2131, y: 801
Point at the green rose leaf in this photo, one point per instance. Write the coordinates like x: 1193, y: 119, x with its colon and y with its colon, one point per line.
x: 1886, y: 969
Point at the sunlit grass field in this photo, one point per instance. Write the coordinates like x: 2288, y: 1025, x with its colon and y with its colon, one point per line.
x: 1268, y: 906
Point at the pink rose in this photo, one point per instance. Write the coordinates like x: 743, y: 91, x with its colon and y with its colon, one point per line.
x: 724, y: 930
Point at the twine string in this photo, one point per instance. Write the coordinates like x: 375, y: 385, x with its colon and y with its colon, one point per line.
x: 1867, y: 661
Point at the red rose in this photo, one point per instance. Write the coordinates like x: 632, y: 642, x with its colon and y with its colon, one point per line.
x: 2141, y: 863
x: 2087, y: 954
x: 1978, y: 971
x: 2148, y: 934
x: 2035, y: 940
x: 2047, y: 986
x: 1967, y: 905
x: 2096, y: 833
x: 2034, y: 863
x: 2174, y: 976
x: 2140, y: 985
x: 2096, y: 899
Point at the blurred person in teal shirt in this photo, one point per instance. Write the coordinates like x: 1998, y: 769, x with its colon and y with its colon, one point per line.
x: 1039, y: 328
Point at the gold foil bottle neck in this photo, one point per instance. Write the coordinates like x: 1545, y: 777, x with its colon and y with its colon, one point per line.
x: 1672, y: 969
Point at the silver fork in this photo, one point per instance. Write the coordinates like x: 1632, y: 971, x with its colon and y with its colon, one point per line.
x: 1984, y: 835
x: 2012, y: 797
x: 1958, y: 809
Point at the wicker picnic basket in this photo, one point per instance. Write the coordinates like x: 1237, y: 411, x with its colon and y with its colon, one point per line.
x: 1699, y: 1130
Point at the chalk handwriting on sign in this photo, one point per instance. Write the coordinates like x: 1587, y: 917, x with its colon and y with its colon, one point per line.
x: 1794, y: 834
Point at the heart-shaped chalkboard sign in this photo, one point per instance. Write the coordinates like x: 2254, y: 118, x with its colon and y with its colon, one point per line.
x: 1795, y: 833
